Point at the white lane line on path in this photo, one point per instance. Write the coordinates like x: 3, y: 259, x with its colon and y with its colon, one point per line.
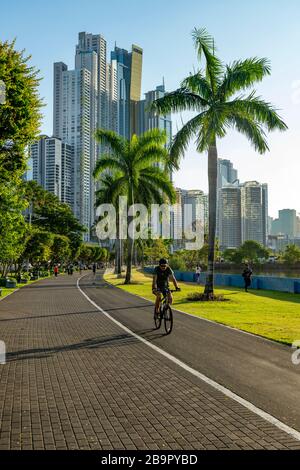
x: 220, y: 388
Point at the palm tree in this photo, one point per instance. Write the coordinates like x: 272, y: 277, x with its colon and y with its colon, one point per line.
x: 139, y: 171
x: 216, y: 96
x: 109, y: 191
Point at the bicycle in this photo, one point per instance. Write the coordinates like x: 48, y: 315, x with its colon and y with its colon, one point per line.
x: 165, y: 313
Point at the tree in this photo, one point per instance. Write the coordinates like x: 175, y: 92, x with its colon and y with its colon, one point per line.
x: 253, y: 251
x: 47, y: 213
x: 140, y: 177
x: 156, y: 251
x: 233, y: 255
x: 12, y: 224
x: 292, y: 254
x: 38, y: 247
x: 93, y: 254
x: 20, y: 115
x: 216, y: 98
x: 60, y: 249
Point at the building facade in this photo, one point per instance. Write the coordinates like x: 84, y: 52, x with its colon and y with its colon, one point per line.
x: 286, y: 224
x: 230, y: 225
x: 51, y: 165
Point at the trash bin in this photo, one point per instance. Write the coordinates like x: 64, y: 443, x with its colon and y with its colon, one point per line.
x: 11, y: 284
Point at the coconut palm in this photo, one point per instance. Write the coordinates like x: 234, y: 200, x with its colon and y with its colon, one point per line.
x: 216, y: 96
x: 138, y: 171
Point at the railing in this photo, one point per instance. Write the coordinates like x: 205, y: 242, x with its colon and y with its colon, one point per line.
x: 279, y: 284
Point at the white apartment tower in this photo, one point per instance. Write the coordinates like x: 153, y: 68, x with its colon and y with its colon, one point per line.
x: 254, y: 206
x: 51, y: 160
x: 76, y: 131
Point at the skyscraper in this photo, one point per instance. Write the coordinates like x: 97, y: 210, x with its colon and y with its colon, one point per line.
x: 243, y: 213
x: 189, y: 216
x: 128, y: 69
x: 95, y: 95
x: 148, y: 119
x: 58, y: 69
x: 76, y: 131
x: 230, y: 224
x: 227, y: 175
x: 51, y: 160
x: 254, y: 209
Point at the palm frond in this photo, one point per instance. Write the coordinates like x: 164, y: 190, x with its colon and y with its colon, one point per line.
x: 198, y: 84
x: 183, y: 137
x: 112, y: 139
x: 259, y: 110
x: 205, y: 46
x: 242, y: 74
x: 178, y: 101
x: 152, y: 137
x: 252, y: 130
x: 109, y: 162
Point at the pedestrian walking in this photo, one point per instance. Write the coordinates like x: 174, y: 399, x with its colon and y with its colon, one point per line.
x: 55, y: 271
x: 198, y: 274
x: 247, y: 275
x: 94, y: 272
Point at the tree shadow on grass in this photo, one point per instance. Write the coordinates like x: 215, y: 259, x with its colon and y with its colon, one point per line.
x: 275, y: 295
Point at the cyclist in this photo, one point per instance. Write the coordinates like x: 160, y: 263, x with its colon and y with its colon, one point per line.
x: 160, y: 283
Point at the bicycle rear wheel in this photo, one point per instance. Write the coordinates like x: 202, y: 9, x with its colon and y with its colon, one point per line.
x: 168, y: 319
x: 157, y: 319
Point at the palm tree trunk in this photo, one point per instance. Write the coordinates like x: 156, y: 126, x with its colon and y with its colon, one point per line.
x: 130, y: 242
x: 118, y: 269
x: 212, y: 184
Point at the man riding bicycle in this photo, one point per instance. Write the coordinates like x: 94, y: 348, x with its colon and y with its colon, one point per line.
x: 160, y: 283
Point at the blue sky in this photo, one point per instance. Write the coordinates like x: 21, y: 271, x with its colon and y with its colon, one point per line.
x: 48, y: 30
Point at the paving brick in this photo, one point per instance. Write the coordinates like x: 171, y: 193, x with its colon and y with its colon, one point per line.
x: 75, y: 380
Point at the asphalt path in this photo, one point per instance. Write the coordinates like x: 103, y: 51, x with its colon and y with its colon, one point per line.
x: 258, y: 370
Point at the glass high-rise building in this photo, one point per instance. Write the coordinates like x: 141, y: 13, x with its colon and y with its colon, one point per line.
x: 128, y: 67
x: 230, y: 224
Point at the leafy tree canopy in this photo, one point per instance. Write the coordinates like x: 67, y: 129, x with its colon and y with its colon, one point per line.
x: 20, y: 115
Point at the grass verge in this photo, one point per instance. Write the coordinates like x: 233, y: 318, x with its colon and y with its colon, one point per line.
x: 272, y: 315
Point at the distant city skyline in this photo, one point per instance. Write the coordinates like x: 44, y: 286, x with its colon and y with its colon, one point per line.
x: 168, y: 52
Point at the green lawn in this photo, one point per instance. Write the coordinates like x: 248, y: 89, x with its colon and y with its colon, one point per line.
x: 273, y: 315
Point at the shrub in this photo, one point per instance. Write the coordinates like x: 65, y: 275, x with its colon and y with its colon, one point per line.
x: 200, y: 297
x: 177, y: 263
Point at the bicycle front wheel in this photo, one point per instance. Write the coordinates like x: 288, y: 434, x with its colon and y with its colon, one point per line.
x: 168, y: 319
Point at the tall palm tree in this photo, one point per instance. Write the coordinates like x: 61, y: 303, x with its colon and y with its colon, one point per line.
x: 139, y: 169
x: 215, y: 95
x: 109, y: 192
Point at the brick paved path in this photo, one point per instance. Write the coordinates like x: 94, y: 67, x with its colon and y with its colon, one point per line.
x: 75, y: 380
